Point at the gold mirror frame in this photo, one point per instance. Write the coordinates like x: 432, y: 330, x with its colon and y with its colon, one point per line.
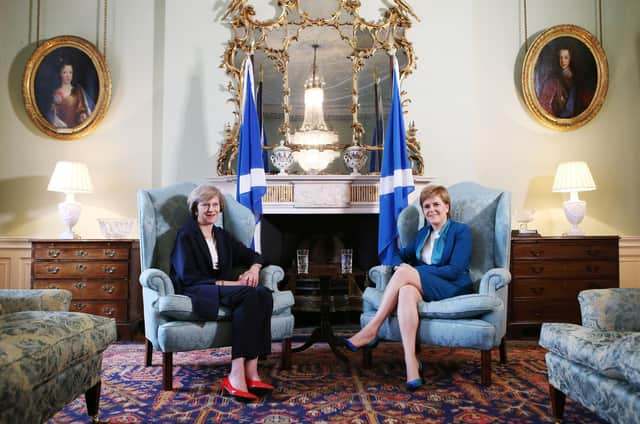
x: 250, y: 35
x: 543, y: 93
x: 38, y: 90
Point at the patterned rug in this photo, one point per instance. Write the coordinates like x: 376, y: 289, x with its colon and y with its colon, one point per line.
x: 321, y: 389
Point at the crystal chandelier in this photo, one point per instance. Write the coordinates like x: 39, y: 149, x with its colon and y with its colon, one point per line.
x: 314, y: 131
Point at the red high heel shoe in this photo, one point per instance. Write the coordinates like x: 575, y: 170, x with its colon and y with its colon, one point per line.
x: 239, y: 394
x: 259, y: 385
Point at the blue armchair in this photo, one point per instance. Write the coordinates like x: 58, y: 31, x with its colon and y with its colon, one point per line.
x: 597, y: 363
x: 170, y: 325
x: 475, y: 321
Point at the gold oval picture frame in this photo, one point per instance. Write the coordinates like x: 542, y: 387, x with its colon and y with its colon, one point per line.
x: 66, y: 87
x: 565, y: 77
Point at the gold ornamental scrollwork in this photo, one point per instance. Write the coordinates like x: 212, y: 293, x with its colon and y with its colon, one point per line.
x: 251, y: 35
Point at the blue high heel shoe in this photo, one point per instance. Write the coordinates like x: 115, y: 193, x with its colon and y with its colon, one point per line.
x: 415, y: 384
x: 353, y: 348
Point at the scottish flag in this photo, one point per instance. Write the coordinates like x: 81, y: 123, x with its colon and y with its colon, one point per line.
x: 396, y: 179
x: 251, y: 184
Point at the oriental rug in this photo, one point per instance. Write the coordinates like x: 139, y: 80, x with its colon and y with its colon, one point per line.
x: 319, y: 388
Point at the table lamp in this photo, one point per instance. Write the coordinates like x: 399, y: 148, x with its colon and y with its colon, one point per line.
x: 573, y: 177
x: 70, y: 178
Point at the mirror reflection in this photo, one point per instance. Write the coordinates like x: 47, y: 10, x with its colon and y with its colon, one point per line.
x: 328, y: 106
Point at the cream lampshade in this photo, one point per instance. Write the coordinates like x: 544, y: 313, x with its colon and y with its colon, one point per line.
x: 70, y: 178
x: 573, y: 177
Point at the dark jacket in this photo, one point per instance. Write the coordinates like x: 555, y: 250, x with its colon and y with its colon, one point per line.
x: 192, y: 270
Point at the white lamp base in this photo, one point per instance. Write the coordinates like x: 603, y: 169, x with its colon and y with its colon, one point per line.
x: 574, y: 210
x: 69, y: 213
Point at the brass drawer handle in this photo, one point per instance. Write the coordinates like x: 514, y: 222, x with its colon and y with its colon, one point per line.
x: 537, y: 290
x: 54, y: 253
x: 537, y: 269
x: 108, y: 288
x: 109, y: 269
x: 536, y: 253
x: 108, y: 311
x: 79, y: 306
x: 80, y: 267
x: 82, y: 253
x: 593, y: 252
x: 80, y: 285
x: 52, y: 286
x: 110, y: 253
x: 590, y: 268
x: 51, y: 269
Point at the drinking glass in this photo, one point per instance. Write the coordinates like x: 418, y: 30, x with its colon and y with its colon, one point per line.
x: 346, y: 261
x: 302, y: 256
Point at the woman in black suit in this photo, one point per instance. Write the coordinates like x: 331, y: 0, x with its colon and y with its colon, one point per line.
x: 202, y: 263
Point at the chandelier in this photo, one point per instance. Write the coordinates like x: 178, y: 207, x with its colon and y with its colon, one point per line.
x: 314, y: 133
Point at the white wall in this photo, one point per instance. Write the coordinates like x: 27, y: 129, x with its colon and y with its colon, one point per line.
x: 117, y: 152
x: 166, y: 120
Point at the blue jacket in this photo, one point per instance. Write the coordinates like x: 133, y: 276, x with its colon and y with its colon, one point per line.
x: 453, y: 265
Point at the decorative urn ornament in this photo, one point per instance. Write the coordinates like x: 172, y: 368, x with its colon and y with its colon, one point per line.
x: 355, y: 157
x: 282, y: 157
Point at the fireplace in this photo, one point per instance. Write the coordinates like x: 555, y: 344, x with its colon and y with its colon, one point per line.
x: 324, y: 235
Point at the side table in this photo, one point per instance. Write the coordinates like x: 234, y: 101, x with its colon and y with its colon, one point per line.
x: 324, y: 332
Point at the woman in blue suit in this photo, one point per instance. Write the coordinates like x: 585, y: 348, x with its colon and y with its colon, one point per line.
x: 434, y: 266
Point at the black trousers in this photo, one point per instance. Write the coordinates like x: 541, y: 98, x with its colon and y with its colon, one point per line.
x: 251, y: 309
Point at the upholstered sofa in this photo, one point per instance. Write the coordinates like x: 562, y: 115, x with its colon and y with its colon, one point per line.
x: 48, y: 356
x: 597, y: 363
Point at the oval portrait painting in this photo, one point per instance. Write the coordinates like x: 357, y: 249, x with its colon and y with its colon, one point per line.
x: 66, y: 87
x: 565, y: 77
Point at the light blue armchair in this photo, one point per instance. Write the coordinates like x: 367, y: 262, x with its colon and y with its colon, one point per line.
x: 475, y: 321
x: 597, y: 363
x: 169, y: 322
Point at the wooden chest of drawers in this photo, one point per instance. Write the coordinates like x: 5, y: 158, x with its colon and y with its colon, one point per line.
x: 102, y: 275
x: 549, y: 272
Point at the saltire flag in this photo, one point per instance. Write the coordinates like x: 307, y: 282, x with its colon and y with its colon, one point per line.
x: 378, y: 131
x: 396, y: 179
x: 251, y: 184
x: 263, y: 133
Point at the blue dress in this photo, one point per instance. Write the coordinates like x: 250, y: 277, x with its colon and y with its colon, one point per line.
x: 448, y: 275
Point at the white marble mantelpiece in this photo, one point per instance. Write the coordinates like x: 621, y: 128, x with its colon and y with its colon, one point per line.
x: 319, y: 194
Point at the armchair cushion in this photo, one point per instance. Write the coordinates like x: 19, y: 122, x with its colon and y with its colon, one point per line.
x: 179, y: 307
x: 459, y: 307
x: 596, y: 349
x: 623, y: 357
x: 465, y: 306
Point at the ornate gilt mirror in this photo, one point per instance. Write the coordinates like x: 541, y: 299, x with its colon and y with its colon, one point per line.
x: 330, y: 44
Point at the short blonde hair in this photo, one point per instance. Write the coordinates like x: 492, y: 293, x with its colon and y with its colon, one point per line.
x: 436, y: 190
x: 204, y: 193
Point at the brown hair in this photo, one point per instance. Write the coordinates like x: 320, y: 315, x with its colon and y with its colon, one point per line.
x: 204, y: 193
x: 436, y: 190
